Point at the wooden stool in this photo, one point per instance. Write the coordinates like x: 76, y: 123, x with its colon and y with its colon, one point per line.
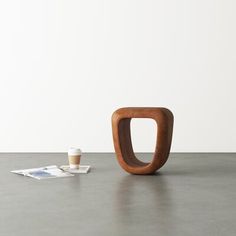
x: 122, y: 138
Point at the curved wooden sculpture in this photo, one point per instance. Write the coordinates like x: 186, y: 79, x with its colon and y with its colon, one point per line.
x: 122, y: 138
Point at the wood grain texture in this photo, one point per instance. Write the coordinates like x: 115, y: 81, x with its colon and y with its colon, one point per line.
x: 122, y: 138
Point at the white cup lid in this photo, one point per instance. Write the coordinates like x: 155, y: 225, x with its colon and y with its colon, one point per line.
x: 74, y: 151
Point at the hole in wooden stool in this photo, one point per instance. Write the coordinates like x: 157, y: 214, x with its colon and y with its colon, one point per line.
x: 143, y: 136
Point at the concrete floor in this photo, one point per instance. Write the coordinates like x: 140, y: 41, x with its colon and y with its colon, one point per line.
x: 193, y: 194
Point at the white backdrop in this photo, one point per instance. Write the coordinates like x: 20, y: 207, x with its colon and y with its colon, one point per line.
x: 67, y: 65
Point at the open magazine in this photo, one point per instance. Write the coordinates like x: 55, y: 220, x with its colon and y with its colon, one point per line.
x: 45, y: 172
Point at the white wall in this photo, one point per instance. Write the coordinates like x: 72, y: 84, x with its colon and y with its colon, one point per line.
x: 67, y: 65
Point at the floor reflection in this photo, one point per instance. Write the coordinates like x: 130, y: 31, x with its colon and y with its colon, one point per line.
x: 143, y: 200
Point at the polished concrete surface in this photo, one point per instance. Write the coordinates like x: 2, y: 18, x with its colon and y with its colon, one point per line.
x: 193, y: 194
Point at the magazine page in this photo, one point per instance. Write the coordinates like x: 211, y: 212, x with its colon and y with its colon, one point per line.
x: 43, y: 172
x: 83, y: 169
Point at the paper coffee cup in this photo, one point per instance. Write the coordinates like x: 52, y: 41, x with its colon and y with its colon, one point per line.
x: 74, y: 155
